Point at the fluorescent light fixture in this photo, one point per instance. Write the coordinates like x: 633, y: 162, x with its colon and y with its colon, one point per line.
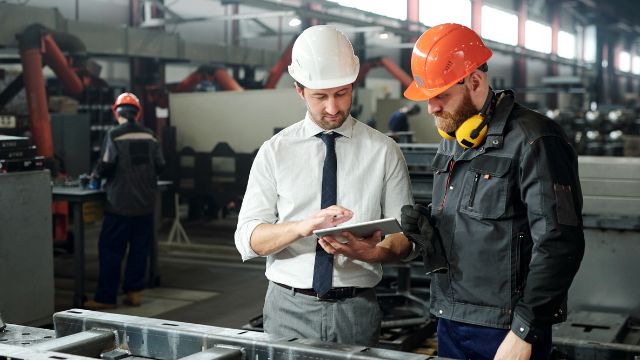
x: 295, y: 22
x: 361, y: 29
x: 384, y: 36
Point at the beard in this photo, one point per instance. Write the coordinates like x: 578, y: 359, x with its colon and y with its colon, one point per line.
x: 324, y: 122
x: 331, y: 124
x: 449, y: 122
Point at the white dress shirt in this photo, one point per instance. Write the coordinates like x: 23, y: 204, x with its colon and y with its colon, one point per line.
x: 285, y: 184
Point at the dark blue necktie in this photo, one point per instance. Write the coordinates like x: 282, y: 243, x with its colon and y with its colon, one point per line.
x: 323, y: 268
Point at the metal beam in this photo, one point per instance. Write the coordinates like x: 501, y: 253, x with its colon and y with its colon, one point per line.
x: 339, y: 14
x: 115, y: 40
x: 162, y: 339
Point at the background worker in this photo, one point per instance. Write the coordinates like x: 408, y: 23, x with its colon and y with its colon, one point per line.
x: 130, y: 161
x: 399, y: 120
x: 504, y: 234
x: 324, y: 170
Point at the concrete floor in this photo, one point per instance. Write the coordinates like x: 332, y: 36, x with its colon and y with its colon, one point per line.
x: 204, y: 284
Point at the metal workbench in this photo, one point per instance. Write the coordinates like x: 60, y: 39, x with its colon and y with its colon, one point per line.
x: 77, y: 196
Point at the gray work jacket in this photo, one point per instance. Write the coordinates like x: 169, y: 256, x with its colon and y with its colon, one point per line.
x: 509, y: 217
x: 131, y: 160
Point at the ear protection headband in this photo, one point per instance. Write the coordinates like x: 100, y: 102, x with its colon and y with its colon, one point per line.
x: 473, y: 130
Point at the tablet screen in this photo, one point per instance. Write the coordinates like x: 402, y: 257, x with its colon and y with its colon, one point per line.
x: 363, y: 229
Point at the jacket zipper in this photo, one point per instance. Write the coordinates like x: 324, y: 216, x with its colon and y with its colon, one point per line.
x: 518, y: 245
x: 446, y: 187
x: 474, y: 188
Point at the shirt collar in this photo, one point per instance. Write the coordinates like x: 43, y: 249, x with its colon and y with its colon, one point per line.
x: 312, y: 129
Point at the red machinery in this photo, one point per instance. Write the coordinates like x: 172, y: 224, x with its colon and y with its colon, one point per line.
x: 37, y: 44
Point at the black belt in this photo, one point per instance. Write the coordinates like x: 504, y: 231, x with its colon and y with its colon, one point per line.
x: 337, y: 293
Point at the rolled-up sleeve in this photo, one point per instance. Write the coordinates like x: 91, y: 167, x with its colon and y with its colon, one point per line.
x: 397, y: 190
x: 259, y: 202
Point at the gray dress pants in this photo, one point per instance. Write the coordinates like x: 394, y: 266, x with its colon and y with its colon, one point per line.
x: 352, y: 321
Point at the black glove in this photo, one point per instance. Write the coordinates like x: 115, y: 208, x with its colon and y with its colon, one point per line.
x: 416, y: 225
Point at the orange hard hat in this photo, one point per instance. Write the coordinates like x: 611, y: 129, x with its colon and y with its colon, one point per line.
x: 130, y: 99
x: 442, y: 56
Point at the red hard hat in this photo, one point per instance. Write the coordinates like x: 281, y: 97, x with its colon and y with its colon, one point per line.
x: 442, y: 56
x: 127, y: 98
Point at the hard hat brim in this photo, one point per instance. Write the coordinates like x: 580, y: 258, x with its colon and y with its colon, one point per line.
x: 323, y: 84
x: 413, y: 92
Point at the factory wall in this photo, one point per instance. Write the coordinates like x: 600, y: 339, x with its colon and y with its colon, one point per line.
x: 244, y: 120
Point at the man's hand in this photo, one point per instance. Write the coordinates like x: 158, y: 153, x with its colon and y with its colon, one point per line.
x: 325, y: 218
x: 364, y: 249
x: 416, y: 226
x: 513, y: 348
x: 267, y: 239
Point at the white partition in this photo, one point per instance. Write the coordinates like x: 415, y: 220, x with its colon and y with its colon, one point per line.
x: 242, y: 119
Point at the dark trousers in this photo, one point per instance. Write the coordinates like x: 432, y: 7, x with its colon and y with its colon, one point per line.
x: 117, y: 232
x: 458, y: 340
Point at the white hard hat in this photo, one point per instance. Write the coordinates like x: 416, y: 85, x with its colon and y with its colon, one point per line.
x: 322, y: 57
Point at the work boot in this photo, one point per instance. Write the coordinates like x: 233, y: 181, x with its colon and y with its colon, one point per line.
x: 133, y: 298
x: 95, y: 305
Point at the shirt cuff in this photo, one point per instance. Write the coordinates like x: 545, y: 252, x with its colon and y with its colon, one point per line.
x: 524, y: 329
x: 413, y: 253
x: 243, y: 239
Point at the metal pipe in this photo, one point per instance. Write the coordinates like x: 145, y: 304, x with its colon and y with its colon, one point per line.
x: 226, y: 81
x: 11, y: 90
x: 37, y: 101
x: 217, y: 353
x: 276, y: 71
x: 89, y: 343
x: 388, y: 64
x: 57, y: 62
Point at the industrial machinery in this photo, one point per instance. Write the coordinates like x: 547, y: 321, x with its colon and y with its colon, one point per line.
x: 82, y: 334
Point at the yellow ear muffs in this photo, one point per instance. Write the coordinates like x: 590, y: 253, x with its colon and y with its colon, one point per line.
x: 472, y: 132
x: 445, y: 135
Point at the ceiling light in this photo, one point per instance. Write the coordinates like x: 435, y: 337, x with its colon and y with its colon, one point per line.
x: 384, y: 36
x: 294, y: 22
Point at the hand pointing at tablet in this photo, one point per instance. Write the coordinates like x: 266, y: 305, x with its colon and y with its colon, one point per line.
x: 364, y: 249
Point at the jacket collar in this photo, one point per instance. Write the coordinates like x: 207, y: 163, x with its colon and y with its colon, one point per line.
x: 495, y: 132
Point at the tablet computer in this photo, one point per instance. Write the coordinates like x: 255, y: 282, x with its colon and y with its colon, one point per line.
x: 363, y: 229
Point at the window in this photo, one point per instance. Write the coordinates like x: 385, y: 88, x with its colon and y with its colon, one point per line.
x: 566, y: 45
x: 636, y: 65
x: 499, y: 25
x: 624, y: 61
x: 537, y: 37
x: 435, y: 12
x: 590, y: 44
x: 394, y: 9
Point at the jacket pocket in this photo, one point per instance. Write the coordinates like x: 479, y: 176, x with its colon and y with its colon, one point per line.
x: 440, y: 166
x: 486, y: 184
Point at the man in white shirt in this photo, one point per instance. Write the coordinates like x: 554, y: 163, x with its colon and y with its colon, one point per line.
x: 322, y: 171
